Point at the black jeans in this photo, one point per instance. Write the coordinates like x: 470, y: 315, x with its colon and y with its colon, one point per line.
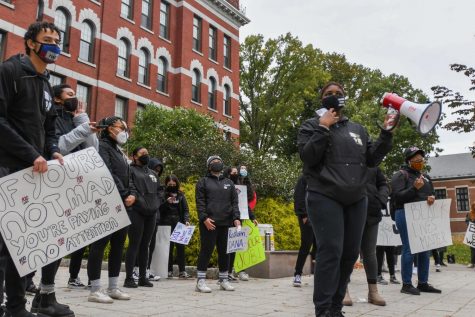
x: 307, y: 239
x: 180, y: 254
x: 140, y: 233
x: 48, y: 272
x: 472, y: 255
x: 209, y: 239
x: 438, y: 256
x: 96, y: 253
x: 338, y: 230
x: 151, y: 248
x: 368, y: 249
x: 390, y: 256
x: 14, y: 284
x: 75, y: 263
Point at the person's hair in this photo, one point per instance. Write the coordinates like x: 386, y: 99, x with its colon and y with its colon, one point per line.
x: 35, y: 28
x: 172, y: 178
x: 331, y: 83
x: 108, y: 121
x: 136, y: 150
x: 58, y: 90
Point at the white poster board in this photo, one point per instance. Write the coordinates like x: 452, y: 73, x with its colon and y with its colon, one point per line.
x: 159, y: 263
x: 44, y: 217
x: 182, y: 234
x: 237, y: 239
x: 428, y: 227
x: 470, y: 235
x: 388, y: 235
x: 243, y: 205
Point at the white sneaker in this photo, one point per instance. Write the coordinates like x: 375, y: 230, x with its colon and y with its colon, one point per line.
x: 225, y: 285
x: 243, y: 276
x: 99, y: 297
x: 437, y: 268
x: 117, y: 293
x: 135, y: 274
x: 202, y: 287
x: 470, y: 266
x: 152, y: 277
x: 297, y: 280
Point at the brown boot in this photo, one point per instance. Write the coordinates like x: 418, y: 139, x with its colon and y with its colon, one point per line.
x: 374, y: 297
x: 347, y: 300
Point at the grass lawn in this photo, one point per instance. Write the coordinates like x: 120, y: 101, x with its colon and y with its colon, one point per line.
x: 460, y: 250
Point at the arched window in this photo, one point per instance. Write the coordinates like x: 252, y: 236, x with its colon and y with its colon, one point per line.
x: 86, y: 48
x: 212, y: 93
x: 227, y: 100
x: 162, y: 80
x: 62, y: 19
x: 195, y: 85
x: 40, y: 10
x: 144, y: 66
x: 123, y: 63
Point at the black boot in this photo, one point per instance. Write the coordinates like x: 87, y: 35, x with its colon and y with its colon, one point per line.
x: 49, y: 306
x: 23, y: 313
x: 143, y: 281
x: 35, y: 303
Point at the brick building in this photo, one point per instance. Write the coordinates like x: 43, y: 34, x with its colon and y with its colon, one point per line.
x: 120, y: 55
x: 454, y: 177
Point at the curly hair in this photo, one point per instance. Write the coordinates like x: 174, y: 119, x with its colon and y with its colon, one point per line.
x: 35, y: 28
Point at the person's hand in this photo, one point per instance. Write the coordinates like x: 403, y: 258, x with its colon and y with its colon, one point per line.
x: 171, y: 200
x: 304, y: 220
x: 80, y: 109
x: 419, y: 182
x: 209, y: 223
x: 40, y: 165
x: 329, y: 118
x: 391, y: 121
x: 430, y: 200
x: 59, y: 157
x: 237, y: 223
x: 187, y: 223
x: 92, y: 126
x: 256, y: 223
x: 129, y: 201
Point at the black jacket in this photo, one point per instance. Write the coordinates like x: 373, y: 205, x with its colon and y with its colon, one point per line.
x: 216, y: 198
x: 378, y: 193
x: 146, y: 190
x: 299, y: 197
x: 27, y: 115
x: 336, y: 160
x: 403, y: 190
x: 167, y: 216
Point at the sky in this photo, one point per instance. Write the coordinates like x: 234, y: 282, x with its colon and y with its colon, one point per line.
x: 418, y: 39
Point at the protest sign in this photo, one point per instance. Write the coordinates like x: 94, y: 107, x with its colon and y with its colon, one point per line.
x: 237, y: 239
x: 388, y: 235
x: 242, y: 196
x: 44, y: 217
x: 182, y: 234
x: 428, y: 227
x: 255, y: 251
x: 470, y: 235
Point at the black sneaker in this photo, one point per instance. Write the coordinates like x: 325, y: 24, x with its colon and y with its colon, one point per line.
x: 409, y: 289
x: 75, y: 283
x: 427, y: 288
x: 143, y: 281
x: 393, y: 280
x: 130, y: 283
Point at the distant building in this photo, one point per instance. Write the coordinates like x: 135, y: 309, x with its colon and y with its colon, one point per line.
x: 454, y: 177
x: 120, y: 55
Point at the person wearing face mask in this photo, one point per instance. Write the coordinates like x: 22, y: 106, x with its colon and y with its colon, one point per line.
x: 143, y: 216
x: 336, y: 154
x: 112, y: 137
x: 410, y: 184
x: 218, y: 210
x: 173, y: 210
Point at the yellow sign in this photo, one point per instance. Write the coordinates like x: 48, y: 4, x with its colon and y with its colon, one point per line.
x: 255, y: 252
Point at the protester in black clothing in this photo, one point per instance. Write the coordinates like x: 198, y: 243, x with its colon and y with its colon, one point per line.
x: 390, y: 252
x: 307, y: 238
x: 336, y: 153
x: 218, y: 210
x: 27, y: 129
x: 174, y: 210
x: 116, y: 161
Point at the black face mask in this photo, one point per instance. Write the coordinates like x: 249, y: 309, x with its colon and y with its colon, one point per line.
x: 216, y: 167
x: 172, y: 189
x: 333, y: 102
x: 234, y: 177
x: 144, y: 159
x: 71, y: 104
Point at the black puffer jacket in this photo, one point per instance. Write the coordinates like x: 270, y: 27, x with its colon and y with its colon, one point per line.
x: 299, y: 197
x: 147, y: 190
x: 403, y: 190
x: 216, y: 198
x: 336, y: 160
x: 378, y: 193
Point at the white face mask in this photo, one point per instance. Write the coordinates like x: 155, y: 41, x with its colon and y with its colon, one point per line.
x: 121, y: 137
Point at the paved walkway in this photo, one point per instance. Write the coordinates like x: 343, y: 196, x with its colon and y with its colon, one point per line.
x: 277, y: 297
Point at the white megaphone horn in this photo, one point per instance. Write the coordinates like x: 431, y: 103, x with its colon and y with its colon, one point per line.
x: 425, y: 116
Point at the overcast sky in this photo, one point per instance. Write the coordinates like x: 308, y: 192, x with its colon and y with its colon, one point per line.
x: 418, y: 39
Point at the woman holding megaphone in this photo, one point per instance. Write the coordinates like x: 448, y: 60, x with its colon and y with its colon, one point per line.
x: 336, y: 153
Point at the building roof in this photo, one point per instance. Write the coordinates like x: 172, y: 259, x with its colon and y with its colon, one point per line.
x: 451, y: 166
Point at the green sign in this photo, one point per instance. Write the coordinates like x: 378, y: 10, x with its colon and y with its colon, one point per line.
x: 255, y: 252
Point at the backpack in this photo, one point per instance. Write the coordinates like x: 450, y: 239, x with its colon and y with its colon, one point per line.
x: 392, y: 201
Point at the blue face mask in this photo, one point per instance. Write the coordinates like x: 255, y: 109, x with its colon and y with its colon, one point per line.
x: 243, y: 173
x: 48, y: 53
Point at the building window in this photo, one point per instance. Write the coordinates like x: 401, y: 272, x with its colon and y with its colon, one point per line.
x: 146, y: 20
x: 83, y: 93
x: 462, y: 199
x: 3, y: 39
x: 212, y: 43
x: 197, y: 33
x: 62, y: 19
x: 144, y: 66
x: 227, y: 51
x: 123, y: 63
x: 140, y: 107
x: 195, y: 85
x: 165, y: 20
x: 212, y: 93
x: 121, y: 108
x: 127, y: 9
x: 86, y: 48
x: 56, y: 80
x: 40, y: 10
x: 440, y: 193
x: 162, y: 81
x: 227, y: 100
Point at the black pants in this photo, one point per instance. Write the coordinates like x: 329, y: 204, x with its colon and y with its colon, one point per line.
x: 438, y: 256
x: 2, y: 281
x: 151, y: 248
x: 338, y: 230
x: 75, y: 263
x: 14, y: 284
x: 180, y: 254
x: 48, y: 272
x: 390, y: 255
x: 307, y: 239
x: 96, y: 253
x: 472, y: 255
x: 368, y: 249
x: 140, y: 233
x: 209, y: 239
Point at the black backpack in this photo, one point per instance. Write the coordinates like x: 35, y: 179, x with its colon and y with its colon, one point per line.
x: 392, y: 201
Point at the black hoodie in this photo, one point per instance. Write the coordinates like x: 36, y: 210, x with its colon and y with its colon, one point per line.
x: 27, y: 114
x: 403, y: 190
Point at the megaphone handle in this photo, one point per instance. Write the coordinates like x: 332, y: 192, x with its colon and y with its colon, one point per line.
x: 392, y: 119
